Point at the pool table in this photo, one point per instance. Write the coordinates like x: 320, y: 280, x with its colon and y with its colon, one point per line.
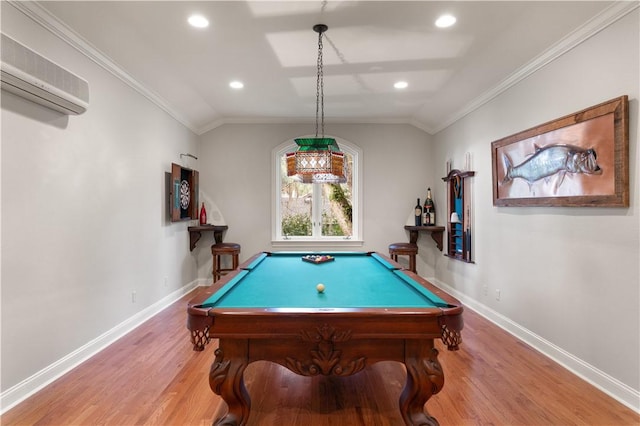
x: 371, y: 310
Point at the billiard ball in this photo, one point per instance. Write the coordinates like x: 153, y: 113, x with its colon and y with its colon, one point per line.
x: 320, y: 288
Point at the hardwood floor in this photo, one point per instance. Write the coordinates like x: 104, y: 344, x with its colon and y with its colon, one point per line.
x: 152, y: 377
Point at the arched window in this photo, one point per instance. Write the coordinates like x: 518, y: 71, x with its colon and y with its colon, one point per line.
x: 317, y: 212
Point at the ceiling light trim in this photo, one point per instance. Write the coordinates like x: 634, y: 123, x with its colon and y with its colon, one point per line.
x: 446, y: 20
x: 198, y: 21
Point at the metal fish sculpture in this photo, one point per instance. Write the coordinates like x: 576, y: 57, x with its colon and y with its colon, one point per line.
x: 551, y: 160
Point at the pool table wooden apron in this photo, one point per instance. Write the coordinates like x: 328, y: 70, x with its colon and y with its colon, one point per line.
x: 340, y: 342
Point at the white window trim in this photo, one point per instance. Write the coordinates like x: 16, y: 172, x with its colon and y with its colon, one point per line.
x: 355, y: 240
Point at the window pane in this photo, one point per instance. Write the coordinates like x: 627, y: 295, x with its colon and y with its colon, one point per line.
x: 337, y: 217
x: 315, y: 211
x: 295, y: 205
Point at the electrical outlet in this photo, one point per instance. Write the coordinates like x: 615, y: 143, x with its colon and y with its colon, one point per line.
x: 133, y: 296
x: 166, y: 282
x: 485, y: 290
x: 497, y: 294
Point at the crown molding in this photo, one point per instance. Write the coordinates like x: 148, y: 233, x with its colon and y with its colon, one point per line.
x: 422, y: 126
x: 598, y: 23
x: 309, y: 120
x: 601, y: 21
x: 48, y: 21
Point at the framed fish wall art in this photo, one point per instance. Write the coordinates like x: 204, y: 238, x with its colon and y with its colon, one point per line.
x: 578, y: 160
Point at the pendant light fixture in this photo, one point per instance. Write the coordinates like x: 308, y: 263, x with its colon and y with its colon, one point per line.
x: 319, y: 159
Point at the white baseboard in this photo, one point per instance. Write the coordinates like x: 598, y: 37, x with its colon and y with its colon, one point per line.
x: 21, y: 391
x: 611, y: 386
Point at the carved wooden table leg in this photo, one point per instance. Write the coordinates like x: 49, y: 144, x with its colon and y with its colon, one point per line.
x: 424, y: 379
x: 226, y: 379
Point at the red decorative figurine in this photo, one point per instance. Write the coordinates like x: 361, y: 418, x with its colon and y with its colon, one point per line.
x: 203, y: 215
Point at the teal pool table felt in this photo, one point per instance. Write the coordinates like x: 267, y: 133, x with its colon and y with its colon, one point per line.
x: 352, y: 280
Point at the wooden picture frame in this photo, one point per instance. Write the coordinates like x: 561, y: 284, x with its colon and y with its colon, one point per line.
x: 579, y: 160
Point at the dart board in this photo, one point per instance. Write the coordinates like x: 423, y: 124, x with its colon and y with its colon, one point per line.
x: 183, y: 197
x: 185, y: 194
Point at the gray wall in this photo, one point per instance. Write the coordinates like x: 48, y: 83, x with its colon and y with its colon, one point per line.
x: 397, y: 168
x: 568, y: 275
x: 83, y: 212
x: 83, y: 221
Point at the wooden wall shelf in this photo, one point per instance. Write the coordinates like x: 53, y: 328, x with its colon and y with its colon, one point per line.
x: 436, y: 232
x: 195, y: 232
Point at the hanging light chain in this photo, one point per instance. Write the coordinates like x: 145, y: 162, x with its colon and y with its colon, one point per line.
x: 318, y: 160
x: 320, y: 29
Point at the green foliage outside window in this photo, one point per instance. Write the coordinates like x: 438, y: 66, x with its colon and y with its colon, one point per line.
x: 331, y: 227
x: 338, y: 195
x: 296, y: 225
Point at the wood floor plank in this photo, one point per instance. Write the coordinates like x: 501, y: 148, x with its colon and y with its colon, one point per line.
x: 152, y: 377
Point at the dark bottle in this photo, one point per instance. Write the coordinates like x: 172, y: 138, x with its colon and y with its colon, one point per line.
x: 418, y: 213
x: 430, y: 209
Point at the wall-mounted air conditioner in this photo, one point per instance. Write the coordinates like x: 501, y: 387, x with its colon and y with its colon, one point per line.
x: 34, y: 77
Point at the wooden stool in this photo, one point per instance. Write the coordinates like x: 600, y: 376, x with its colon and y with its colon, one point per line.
x: 404, y: 249
x: 222, y: 249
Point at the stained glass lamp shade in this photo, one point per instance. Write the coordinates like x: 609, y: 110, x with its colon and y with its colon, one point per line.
x: 317, y: 160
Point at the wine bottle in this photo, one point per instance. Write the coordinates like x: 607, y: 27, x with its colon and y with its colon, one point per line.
x: 203, y: 215
x: 425, y: 213
x: 431, y: 208
x: 418, y: 213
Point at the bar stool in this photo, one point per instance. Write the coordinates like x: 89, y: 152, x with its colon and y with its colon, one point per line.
x: 404, y: 249
x: 224, y: 249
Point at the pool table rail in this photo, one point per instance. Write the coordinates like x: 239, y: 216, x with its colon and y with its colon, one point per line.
x: 409, y: 322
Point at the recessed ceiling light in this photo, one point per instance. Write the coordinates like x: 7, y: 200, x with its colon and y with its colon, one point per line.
x: 401, y: 85
x: 236, y: 85
x: 445, y: 21
x: 198, y: 21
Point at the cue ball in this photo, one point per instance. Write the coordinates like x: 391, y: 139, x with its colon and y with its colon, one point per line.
x: 320, y: 288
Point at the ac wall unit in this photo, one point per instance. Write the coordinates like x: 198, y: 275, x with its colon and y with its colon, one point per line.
x: 34, y: 77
